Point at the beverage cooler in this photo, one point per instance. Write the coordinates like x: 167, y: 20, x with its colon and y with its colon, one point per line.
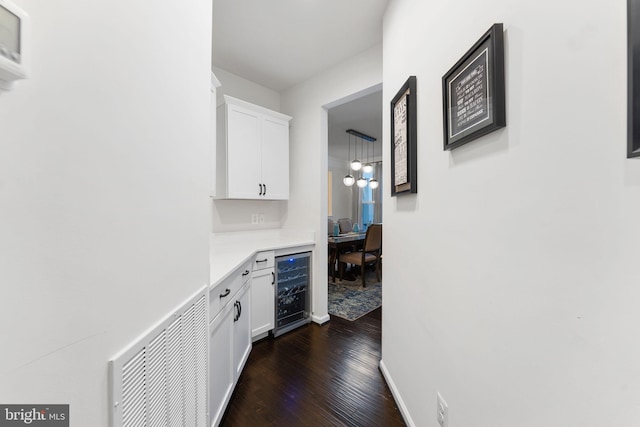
x: 292, y: 292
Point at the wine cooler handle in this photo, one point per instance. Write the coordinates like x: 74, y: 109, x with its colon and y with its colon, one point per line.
x: 226, y: 293
x: 273, y: 278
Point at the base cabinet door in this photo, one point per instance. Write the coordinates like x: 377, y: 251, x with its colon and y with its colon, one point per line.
x: 262, y: 301
x: 221, y: 363
x: 242, y: 329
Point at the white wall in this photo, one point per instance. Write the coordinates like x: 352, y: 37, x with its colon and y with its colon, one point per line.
x: 342, y: 195
x: 235, y: 215
x: 244, y: 89
x: 519, y: 300
x: 307, y: 104
x: 103, y: 191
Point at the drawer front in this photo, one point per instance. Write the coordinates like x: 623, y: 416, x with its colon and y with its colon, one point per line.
x: 224, y: 293
x: 263, y: 260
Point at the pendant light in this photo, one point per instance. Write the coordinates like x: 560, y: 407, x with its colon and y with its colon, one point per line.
x: 348, y: 179
x: 361, y: 182
x: 356, y: 164
x: 373, y: 183
x: 368, y: 167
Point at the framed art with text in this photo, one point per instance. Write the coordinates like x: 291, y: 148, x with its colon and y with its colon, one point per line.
x: 473, y: 91
x: 633, y: 78
x: 404, y: 170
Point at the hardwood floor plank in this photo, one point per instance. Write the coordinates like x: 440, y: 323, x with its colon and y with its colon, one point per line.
x: 316, y: 376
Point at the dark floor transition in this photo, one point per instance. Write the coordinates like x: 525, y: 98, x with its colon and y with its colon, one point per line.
x: 316, y: 376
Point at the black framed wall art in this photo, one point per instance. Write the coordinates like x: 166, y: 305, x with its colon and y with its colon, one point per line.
x: 404, y: 169
x: 633, y: 78
x: 473, y: 91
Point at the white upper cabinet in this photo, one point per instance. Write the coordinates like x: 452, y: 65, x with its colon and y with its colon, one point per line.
x: 215, y: 84
x: 252, y: 156
x: 275, y: 157
x: 243, y: 153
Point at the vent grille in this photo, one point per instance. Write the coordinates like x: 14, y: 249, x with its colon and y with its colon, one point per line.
x: 161, y: 379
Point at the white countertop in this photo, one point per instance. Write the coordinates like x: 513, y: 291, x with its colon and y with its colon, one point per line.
x: 228, y: 251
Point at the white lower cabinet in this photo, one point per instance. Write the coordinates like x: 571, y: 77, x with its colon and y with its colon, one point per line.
x: 221, y: 366
x: 242, y: 329
x: 229, y: 339
x: 263, y: 281
x: 241, y: 307
x: 262, y: 301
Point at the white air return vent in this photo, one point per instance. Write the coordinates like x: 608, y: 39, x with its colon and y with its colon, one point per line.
x: 161, y: 379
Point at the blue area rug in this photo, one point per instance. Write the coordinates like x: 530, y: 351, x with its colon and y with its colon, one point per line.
x: 351, y: 301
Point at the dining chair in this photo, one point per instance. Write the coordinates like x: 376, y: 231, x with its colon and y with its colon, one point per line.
x: 370, y: 254
x: 346, y: 225
x: 331, y: 254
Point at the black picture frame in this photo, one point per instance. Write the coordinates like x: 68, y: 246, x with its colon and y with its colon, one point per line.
x: 633, y: 79
x: 404, y: 143
x: 473, y: 91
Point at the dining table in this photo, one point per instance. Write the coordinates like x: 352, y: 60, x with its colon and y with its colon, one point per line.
x: 340, y: 243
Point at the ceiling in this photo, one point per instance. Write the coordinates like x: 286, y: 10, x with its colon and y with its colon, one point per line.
x: 362, y: 114
x: 280, y: 43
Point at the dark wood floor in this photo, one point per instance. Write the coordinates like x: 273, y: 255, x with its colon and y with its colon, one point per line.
x: 316, y: 376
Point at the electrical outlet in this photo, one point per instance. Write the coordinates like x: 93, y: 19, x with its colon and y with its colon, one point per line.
x: 254, y: 218
x: 443, y: 412
x: 260, y: 218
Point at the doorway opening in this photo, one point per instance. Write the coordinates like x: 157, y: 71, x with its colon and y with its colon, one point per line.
x: 361, y: 204
x: 354, y: 133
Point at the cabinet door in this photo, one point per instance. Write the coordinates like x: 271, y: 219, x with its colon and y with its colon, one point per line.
x: 242, y: 328
x: 262, y: 301
x: 275, y: 158
x: 243, y: 153
x: 212, y: 178
x: 221, y: 364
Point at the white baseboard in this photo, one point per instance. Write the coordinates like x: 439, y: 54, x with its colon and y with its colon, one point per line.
x: 396, y: 395
x: 320, y: 320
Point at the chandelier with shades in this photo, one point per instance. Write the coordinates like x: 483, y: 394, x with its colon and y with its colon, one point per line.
x: 356, y: 165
